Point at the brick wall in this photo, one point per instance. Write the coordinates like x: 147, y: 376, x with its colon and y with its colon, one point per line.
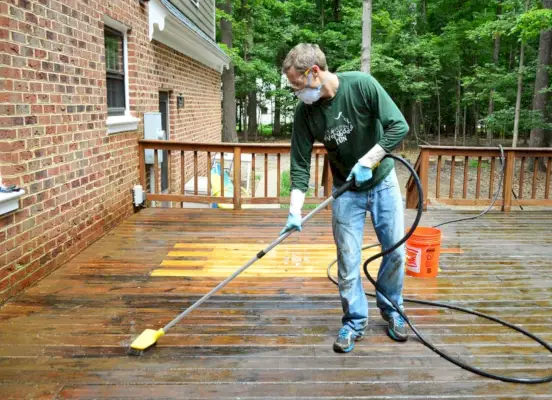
x: 53, y: 135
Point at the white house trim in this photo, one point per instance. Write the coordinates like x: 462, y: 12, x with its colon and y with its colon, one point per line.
x: 172, y: 28
x: 10, y: 201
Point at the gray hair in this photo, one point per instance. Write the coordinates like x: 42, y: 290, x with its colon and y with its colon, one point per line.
x: 303, y: 56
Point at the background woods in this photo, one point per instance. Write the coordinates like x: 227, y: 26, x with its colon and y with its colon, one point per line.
x: 461, y: 71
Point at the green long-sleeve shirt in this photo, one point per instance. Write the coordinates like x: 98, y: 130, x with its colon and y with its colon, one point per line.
x: 359, y: 116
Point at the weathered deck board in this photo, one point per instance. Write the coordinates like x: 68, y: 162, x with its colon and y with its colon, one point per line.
x: 270, y: 337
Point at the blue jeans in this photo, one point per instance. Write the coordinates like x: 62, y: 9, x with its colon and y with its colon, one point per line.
x: 384, y: 202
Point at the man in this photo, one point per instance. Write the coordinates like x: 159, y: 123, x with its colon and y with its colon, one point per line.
x: 358, y: 123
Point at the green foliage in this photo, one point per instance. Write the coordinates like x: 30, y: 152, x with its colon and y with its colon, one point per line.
x: 418, y: 58
x: 503, y: 121
x: 530, y: 24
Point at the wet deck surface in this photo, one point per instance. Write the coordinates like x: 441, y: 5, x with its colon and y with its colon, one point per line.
x: 270, y: 336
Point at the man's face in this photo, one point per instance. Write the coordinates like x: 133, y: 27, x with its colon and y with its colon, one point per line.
x: 299, y: 80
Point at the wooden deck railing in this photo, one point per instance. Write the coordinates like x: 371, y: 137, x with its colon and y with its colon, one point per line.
x: 189, y: 177
x: 470, y: 176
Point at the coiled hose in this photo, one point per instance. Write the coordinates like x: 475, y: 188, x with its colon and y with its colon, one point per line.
x: 424, y: 341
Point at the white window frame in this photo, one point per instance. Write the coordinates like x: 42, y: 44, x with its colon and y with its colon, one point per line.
x: 10, y: 202
x: 126, y: 122
x: 195, y: 3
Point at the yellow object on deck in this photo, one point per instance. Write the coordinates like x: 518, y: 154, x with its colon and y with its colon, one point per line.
x: 147, y: 339
x: 228, y: 189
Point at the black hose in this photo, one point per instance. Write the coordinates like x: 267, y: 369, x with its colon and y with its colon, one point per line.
x: 503, y: 163
x: 457, y: 362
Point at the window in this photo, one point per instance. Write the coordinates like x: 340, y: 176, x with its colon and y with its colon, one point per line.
x: 119, y: 118
x: 115, y: 71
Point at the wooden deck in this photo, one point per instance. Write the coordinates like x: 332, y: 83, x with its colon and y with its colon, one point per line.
x: 267, y: 335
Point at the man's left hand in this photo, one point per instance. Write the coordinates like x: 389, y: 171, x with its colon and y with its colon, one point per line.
x: 361, y: 174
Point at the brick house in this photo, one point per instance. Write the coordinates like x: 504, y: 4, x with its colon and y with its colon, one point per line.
x: 77, y: 78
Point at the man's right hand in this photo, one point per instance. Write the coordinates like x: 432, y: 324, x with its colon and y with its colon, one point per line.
x: 293, y: 222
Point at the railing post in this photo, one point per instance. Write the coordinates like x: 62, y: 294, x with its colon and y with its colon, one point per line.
x: 411, y: 190
x: 237, y: 178
x: 142, y: 163
x: 508, y: 179
x: 424, y: 174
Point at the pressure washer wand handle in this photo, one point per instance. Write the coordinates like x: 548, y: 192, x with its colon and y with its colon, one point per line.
x: 259, y: 255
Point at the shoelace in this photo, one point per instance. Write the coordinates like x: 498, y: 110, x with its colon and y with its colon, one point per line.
x: 343, y: 333
x: 399, y: 321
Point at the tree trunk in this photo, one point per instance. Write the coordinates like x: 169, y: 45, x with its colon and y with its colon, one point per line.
x: 457, y: 122
x: 518, y: 98
x: 414, y: 121
x: 228, y: 87
x: 519, y: 88
x: 496, y: 54
x: 244, y: 114
x: 252, y: 113
x: 464, y: 126
x: 422, y: 125
x: 438, y: 118
x: 239, y: 117
x: 366, y: 36
x: 424, y: 14
x: 337, y: 10
x: 539, y: 137
x: 277, y: 130
x: 476, y: 122
x: 321, y: 4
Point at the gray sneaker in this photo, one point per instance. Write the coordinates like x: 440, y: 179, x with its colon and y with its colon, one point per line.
x: 396, y: 328
x: 345, y: 341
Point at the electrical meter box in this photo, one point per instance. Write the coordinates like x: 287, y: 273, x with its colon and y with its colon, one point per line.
x: 153, y: 130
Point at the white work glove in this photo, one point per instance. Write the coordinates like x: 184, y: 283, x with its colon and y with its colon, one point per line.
x: 373, y: 157
x: 295, y: 206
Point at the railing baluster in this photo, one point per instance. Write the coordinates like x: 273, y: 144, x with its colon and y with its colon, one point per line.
x: 478, y: 183
x: 509, y: 170
x: 253, y: 177
x: 547, y: 185
x: 169, y: 172
x: 221, y: 174
x: 316, y: 175
x: 452, y: 173
x: 521, y: 178
x: 491, y: 179
x: 535, y: 171
x: 195, y: 173
x: 438, y: 179
x: 237, y: 178
x: 182, y: 173
x: 156, y: 175
x: 142, y: 162
x: 465, y: 184
x: 266, y: 174
x: 209, y: 166
x: 278, y: 159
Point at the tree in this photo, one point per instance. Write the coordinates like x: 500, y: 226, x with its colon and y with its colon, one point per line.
x: 451, y: 66
x: 366, y: 35
x: 538, y: 137
x: 496, y: 55
x: 228, y: 86
x: 520, y: 87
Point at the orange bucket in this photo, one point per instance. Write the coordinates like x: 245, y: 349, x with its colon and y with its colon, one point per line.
x: 423, y: 249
